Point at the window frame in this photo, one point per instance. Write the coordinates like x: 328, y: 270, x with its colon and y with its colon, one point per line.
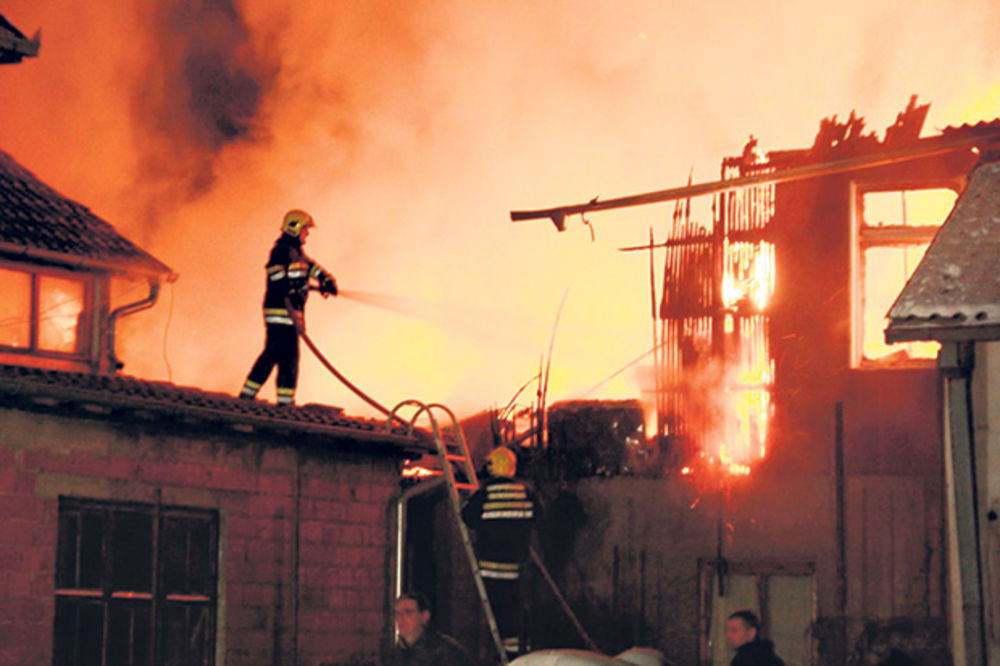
x: 711, y: 570
x: 916, y: 235
x: 84, y: 332
x: 154, y: 602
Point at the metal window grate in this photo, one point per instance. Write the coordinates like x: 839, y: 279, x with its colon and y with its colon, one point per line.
x: 135, y: 584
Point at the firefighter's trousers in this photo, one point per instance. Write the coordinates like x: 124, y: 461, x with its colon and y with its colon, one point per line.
x: 281, y: 348
x: 508, y: 609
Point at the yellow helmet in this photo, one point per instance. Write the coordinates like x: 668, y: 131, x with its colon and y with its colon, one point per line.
x: 501, y: 462
x: 295, y: 221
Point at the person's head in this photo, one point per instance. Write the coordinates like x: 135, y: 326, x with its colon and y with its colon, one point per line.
x: 297, y: 223
x: 501, y: 462
x: 742, y: 627
x: 413, y: 614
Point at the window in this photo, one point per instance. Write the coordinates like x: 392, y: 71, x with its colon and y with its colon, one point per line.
x: 893, y: 229
x: 43, y: 312
x: 135, y: 584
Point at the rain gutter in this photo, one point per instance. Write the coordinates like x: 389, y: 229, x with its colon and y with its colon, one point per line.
x: 128, y: 309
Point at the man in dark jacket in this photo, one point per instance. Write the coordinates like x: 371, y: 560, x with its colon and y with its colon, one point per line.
x: 289, y: 272
x: 743, y: 634
x: 420, y: 644
x: 503, y: 513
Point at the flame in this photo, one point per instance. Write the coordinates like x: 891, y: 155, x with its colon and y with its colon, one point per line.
x: 749, y: 274
x: 409, y: 133
x: 746, y: 394
x: 411, y: 471
x: 60, y: 306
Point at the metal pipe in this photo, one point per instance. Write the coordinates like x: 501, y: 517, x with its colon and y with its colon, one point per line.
x: 956, y: 361
x: 838, y: 437
x: 151, y: 269
x: 127, y: 309
x: 401, y: 502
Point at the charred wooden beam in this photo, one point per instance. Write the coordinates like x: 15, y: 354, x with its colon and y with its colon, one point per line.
x: 933, y: 147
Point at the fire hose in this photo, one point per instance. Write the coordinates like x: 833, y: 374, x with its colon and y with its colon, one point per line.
x: 300, y: 329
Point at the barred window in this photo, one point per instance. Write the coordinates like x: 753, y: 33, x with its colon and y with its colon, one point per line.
x: 135, y: 584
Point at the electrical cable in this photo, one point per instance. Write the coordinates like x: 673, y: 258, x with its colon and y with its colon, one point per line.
x: 166, y: 329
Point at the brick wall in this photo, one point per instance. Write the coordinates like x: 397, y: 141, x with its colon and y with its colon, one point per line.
x: 304, y: 536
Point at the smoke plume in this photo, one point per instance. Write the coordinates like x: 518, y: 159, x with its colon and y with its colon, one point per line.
x: 410, y: 130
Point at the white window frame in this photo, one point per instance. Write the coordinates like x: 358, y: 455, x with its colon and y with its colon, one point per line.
x: 919, y: 234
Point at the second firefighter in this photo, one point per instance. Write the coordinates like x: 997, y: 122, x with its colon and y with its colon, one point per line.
x: 503, y: 513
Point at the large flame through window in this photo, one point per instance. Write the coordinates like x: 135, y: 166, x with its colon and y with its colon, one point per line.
x: 715, y: 373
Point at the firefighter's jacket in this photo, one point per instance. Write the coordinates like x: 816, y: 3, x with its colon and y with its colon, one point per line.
x: 503, y: 512
x: 288, y: 274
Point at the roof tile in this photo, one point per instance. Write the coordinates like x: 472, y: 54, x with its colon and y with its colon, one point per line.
x: 36, y: 218
x: 956, y: 286
x: 130, y: 393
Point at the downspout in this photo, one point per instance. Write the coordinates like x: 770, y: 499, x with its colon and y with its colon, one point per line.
x: 127, y: 309
x: 401, y: 504
x: 399, y: 507
x: 840, y: 651
x: 956, y: 361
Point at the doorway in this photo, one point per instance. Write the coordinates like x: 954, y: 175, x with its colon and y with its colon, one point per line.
x: 781, y: 594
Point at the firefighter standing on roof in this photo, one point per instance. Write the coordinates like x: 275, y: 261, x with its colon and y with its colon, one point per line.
x: 503, y: 513
x: 289, y: 272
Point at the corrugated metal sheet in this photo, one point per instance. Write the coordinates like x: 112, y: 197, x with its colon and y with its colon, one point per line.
x: 36, y: 221
x: 955, y: 291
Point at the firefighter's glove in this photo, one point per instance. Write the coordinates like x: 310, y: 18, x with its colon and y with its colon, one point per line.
x: 328, y: 286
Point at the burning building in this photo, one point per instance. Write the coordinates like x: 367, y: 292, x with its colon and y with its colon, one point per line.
x: 806, y: 478
x: 145, y: 522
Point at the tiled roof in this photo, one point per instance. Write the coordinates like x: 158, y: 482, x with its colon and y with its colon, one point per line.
x: 129, y: 398
x: 955, y: 291
x: 14, y: 46
x: 36, y: 221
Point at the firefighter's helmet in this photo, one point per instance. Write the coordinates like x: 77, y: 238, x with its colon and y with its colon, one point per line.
x: 295, y: 221
x: 501, y: 462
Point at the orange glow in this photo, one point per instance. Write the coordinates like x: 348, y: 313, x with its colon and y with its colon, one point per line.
x: 15, y: 309
x: 411, y: 471
x: 740, y: 436
x: 650, y: 426
x: 409, y: 131
x: 60, y: 306
x: 749, y: 274
x: 885, y: 267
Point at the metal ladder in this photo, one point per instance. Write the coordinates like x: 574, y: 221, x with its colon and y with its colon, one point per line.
x: 456, y: 460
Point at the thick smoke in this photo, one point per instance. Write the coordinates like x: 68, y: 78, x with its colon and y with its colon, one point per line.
x: 201, y: 90
x: 411, y: 129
